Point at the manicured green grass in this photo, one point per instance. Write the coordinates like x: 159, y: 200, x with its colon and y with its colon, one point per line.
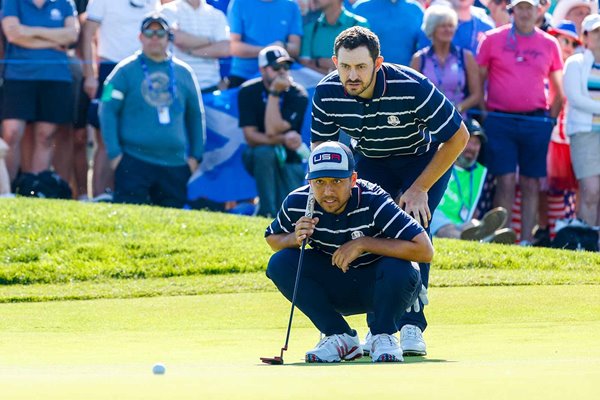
x: 70, y: 250
x: 529, y: 342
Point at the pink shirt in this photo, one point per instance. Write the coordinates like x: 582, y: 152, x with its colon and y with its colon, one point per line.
x: 517, y: 68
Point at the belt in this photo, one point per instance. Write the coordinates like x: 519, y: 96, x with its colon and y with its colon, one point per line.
x: 539, y: 112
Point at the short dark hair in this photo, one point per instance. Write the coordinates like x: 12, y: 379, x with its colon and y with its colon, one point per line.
x: 355, y: 37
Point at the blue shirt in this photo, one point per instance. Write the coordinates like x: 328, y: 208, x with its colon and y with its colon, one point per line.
x: 37, y: 64
x: 468, y: 32
x: 261, y: 23
x: 370, y: 211
x: 398, y: 26
x: 407, y: 115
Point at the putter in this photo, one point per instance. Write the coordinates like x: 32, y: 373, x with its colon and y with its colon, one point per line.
x: 310, y: 206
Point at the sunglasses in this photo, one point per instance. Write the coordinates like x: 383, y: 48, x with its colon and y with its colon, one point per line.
x: 159, y: 33
x: 569, y: 42
x: 277, y: 67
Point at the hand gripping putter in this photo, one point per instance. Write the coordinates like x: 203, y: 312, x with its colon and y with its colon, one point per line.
x: 310, y: 206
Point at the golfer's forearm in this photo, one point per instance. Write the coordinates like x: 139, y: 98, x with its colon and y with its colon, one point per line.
x: 282, y: 241
x: 419, y: 249
x: 443, y: 159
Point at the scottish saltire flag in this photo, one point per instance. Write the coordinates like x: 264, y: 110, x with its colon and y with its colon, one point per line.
x: 221, y: 176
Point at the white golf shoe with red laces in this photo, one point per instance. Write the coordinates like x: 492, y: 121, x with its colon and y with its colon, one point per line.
x: 335, y: 348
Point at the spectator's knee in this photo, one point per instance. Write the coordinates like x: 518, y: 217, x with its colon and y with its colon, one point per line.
x: 45, y: 138
x: 590, y: 194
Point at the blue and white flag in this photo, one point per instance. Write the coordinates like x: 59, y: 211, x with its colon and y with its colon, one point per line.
x: 222, y: 176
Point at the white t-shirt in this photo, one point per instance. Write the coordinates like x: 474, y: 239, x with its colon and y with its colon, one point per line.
x: 205, y: 21
x: 120, y: 22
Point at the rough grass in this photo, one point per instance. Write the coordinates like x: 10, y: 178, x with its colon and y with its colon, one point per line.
x: 53, y: 249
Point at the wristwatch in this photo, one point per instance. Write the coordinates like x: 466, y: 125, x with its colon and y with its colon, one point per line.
x: 274, y: 93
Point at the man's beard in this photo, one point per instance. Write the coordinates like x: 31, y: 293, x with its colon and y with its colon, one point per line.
x: 361, y: 89
x: 465, y: 162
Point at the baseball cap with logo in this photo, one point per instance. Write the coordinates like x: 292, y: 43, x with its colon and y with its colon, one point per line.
x: 273, y: 55
x: 591, y: 22
x: 330, y: 160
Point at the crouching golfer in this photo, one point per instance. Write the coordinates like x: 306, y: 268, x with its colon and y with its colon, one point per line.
x: 362, y: 244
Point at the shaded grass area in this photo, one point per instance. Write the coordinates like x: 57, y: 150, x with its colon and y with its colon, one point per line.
x: 51, y: 249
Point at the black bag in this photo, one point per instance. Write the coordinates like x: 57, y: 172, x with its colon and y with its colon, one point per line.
x: 46, y: 184
x: 576, y: 238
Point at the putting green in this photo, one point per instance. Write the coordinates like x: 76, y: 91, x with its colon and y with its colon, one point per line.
x: 483, y: 342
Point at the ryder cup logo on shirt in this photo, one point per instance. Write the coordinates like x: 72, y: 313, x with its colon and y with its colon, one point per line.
x: 55, y: 14
x: 356, y: 235
x: 393, y: 120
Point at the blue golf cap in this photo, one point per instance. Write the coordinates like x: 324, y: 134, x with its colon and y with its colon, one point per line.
x: 330, y: 160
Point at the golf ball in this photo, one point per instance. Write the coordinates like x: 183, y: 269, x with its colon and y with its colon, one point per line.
x: 158, y: 369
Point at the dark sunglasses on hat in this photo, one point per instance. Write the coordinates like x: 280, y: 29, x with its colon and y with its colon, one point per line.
x: 160, y: 33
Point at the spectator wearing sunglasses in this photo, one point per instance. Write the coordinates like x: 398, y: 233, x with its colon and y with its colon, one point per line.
x: 271, y: 111
x: 152, y: 122
x: 117, y: 24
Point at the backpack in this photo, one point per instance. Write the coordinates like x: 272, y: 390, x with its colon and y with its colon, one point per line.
x: 576, y: 235
x: 45, y: 184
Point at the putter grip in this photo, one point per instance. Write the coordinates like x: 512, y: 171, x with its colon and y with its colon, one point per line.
x: 310, y: 205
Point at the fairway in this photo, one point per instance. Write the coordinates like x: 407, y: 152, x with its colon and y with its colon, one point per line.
x: 535, y: 342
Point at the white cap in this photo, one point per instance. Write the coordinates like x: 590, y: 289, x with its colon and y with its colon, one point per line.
x: 534, y: 3
x: 330, y: 160
x: 591, y: 22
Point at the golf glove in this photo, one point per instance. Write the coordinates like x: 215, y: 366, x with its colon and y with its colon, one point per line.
x: 416, y: 307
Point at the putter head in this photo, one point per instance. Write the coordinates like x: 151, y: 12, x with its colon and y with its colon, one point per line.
x: 272, y: 361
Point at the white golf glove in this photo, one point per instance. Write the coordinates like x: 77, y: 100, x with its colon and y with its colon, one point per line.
x: 416, y: 307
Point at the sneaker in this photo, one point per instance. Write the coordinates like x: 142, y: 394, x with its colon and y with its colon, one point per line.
x: 385, y: 348
x: 335, y: 348
x: 502, y: 236
x: 366, y: 345
x: 411, y: 341
x: 491, y: 221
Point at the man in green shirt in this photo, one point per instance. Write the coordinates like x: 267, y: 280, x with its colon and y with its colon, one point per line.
x: 453, y: 218
x: 319, y: 35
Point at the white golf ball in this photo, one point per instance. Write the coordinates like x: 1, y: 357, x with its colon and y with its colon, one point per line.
x: 158, y: 369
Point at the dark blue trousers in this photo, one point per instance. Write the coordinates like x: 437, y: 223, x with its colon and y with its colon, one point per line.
x: 395, y: 175
x: 325, y: 294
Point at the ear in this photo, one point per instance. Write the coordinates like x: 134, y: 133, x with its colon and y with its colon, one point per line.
x: 378, y: 63
x: 353, y: 178
x: 335, y: 60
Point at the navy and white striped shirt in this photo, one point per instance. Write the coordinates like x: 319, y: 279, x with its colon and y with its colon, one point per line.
x: 369, y: 212
x: 406, y: 116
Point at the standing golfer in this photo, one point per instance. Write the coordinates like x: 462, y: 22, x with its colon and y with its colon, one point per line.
x: 406, y: 133
x: 360, y: 261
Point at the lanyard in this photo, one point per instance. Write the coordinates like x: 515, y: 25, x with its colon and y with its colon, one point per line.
x: 172, y: 83
x: 463, y: 205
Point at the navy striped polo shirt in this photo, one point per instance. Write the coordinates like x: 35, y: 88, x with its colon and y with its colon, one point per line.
x: 406, y: 116
x: 369, y: 212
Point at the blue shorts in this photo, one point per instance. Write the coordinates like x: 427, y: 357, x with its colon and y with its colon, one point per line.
x: 517, y: 141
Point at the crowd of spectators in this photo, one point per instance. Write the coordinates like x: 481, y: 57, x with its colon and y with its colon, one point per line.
x: 498, y: 61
